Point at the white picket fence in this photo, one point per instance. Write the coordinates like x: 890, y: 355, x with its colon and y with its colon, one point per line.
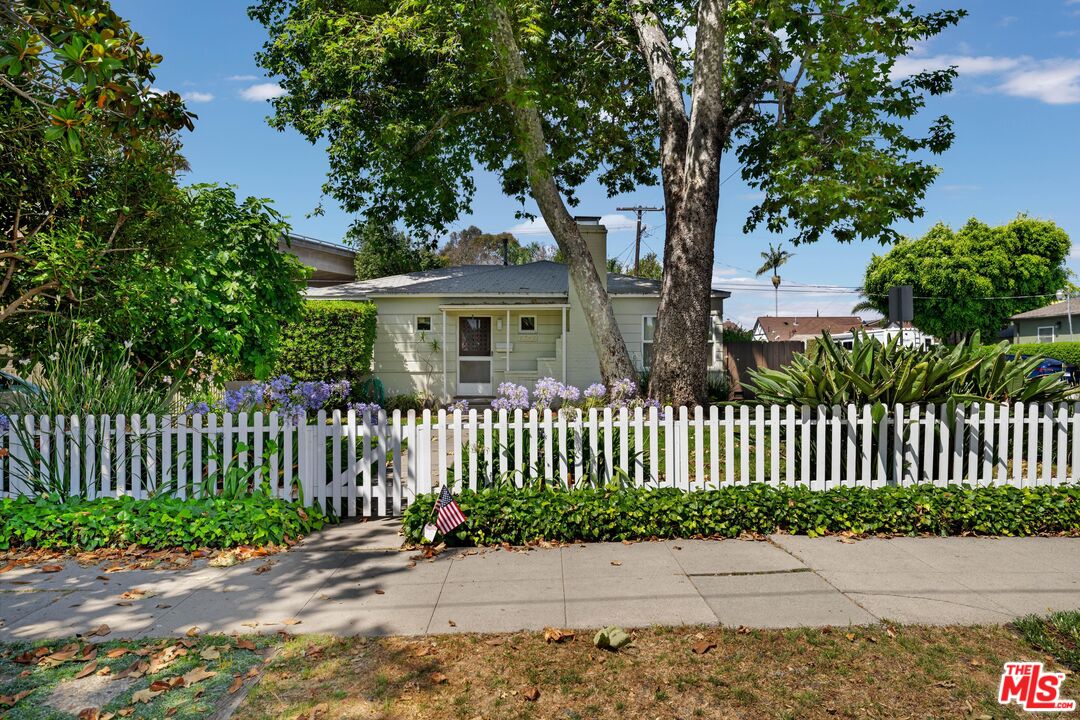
x: 371, y: 466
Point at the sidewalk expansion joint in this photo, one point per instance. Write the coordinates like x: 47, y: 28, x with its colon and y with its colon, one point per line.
x: 742, y: 573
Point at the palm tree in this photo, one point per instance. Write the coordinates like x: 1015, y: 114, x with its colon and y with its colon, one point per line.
x: 774, y: 257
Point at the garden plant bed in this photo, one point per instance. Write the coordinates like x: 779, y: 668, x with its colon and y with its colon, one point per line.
x: 520, y: 516
x: 686, y: 672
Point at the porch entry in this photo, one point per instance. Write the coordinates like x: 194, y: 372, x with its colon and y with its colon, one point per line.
x: 474, y: 356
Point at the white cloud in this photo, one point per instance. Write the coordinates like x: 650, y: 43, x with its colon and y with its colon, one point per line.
x: 261, y: 92
x: 614, y: 223
x: 1055, y: 82
x: 965, y: 64
x: 1075, y: 253
x: 242, y: 78
x: 198, y: 97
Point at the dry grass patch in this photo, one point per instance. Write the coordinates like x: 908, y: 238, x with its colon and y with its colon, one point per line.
x: 877, y: 672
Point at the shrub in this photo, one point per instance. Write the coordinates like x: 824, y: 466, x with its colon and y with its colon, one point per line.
x: 522, y: 515
x: 887, y: 373
x: 163, y: 522
x: 1066, y: 352
x: 333, y: 339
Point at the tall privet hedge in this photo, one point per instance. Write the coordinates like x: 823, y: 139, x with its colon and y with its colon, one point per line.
x: 333, y: 340
x: 1066, y: 352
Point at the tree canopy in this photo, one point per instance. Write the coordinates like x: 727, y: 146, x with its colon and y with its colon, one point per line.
x: 473, y: 246
x: 974, y: 278
x: 98, y: 235
x: 382, y: 249
x: 649, y: 267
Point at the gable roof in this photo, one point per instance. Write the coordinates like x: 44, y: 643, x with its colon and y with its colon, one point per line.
x: 1057, y: 309
x: 536, y: 279
x: 786, y: 328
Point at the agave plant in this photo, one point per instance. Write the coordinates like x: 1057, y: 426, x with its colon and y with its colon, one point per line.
x: 888, y: 374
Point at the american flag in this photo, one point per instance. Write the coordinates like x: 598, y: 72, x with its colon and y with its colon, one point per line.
x: 449, y: 516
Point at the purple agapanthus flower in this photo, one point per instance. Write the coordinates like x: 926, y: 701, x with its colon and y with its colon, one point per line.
x: 596, y: 390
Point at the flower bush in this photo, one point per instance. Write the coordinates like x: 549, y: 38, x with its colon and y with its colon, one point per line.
x: 292, y: 399
x: 549, y: 393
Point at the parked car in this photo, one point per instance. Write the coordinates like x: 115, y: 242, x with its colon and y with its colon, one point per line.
x: 1049, y: 366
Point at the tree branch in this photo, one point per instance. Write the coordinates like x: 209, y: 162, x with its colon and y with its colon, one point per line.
x: 442, y: 121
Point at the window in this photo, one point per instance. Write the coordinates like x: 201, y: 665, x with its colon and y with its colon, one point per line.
x: 527, y: 324
x: 423, y: 323
x: 648, y: 331
x: 1046, y: 334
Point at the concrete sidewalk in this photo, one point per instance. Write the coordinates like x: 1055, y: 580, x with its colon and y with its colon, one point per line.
x: 351, y: 579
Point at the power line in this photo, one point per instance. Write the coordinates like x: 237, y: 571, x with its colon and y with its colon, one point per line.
x: 638, y: 210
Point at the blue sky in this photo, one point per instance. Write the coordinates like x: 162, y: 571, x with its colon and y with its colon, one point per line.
x: 1016, y: 109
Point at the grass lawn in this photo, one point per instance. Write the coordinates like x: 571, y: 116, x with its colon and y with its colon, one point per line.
x: 686, y: 672
x: 879, y: 672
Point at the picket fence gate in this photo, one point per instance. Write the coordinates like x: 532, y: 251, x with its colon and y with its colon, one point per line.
x: 363, y: 465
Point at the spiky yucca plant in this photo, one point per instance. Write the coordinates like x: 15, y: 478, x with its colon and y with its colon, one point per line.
x: 889, y: 374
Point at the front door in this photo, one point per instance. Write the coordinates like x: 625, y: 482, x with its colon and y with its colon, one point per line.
x: 474, y: 356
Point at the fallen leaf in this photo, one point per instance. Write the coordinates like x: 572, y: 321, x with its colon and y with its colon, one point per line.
x: 451, y: 623
x: 263, y: 568
x: 193, y: 632
x: 290, y: 621
x: 51, y: 568
x: 245, y: 645
x: 557, y: 635
x: 105, y: 671
x: 437, y: 678
x: 172, y: 711
x: 616, y: 563
x: 890, y: 632
x: 90, y: 713
x: 210, y: 653
x: 9, y: 566
x: 850, y: 636
x: 425, y: 651
x: 100, y: 631
x: 700, y: 648
x: 161, y: 686
x: 197, y: 675
x: 10, y: 700
x: 86, y: 670
x: 237, y: 681
x: 252, y: 672
x: 124, y: 712
x: 144, y: 696
x: 117, y: 652
x: 30, y: 657
x: 317, y: 710
x: 532, y: 694
x: 975, y: 662
x: 379, y: 591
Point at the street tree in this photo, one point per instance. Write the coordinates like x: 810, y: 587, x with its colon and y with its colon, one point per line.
x: 975, y: 278
x: 382, y: 249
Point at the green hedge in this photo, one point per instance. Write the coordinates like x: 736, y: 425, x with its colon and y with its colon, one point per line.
x: 518, y: 516
x: 160, y: 523
x: 1066, y: 352
x: 333, y: 340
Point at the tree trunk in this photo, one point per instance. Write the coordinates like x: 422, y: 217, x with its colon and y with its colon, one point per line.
x: 607, y: 340
x: 692, y: 182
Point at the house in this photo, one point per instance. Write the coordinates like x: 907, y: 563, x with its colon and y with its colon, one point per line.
x: 1052, y: 323
x: 801, y: 329
x: 460, y: 331
x: 884, y: 331
x: 330, y: 264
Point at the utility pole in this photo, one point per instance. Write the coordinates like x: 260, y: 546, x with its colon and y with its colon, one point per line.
x: 638, y: 210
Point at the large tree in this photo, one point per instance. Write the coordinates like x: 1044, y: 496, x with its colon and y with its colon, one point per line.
x: 799, y: 96
x: 382, y: 249
x: 798, y: 93
x: 75, y: 81
x: 974, y: 278
x: 473, y: 246
x: 412, y: 98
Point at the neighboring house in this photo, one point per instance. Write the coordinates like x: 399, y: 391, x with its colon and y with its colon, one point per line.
x: 460, y: 331
x: 910, y: 336
x: 801, y: 329
x: 1052, y: 323
x: 331, y: 264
